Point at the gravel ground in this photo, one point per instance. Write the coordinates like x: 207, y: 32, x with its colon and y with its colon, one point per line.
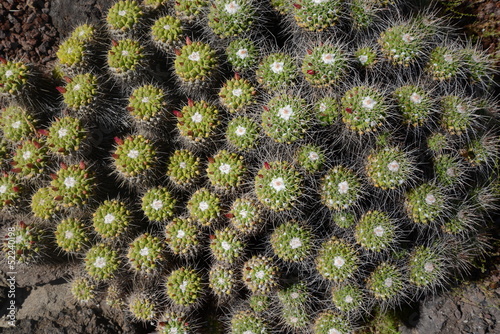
x: 31, y: 30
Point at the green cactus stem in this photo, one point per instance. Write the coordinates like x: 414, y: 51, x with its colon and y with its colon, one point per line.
x: 83, y: 290
x: 226, y: 245
x: 293, y: 301
x: 426, y: 267
x: 449, y: 169
x: 278, y: 185
x: 14, y: 76
x: 231, y: 18
x: 316, y: 15
x: 324, y: 65
x: 145, y: 253
x: 183, y: 168
x: 123, y: 17
x: 259, y: 303
x: 10, y: 190
x: 134, y: 156
x: 344, y: 219
x: 112, y: 219
x: 73, y: 55
x: 125, y: 57
x: 66, y: 136
x: 337, y: 260
x: 182, y: 236
x: 190, y: 10
x: 311, y: 158
x: 184, y: 287
x: 326, y: 111
x: 457, y: 114
x: 285, y: 118
x: 376, y: 231
x: 30, y: 159
x: 81, y: 92
x: 204, y: 207
x: 174, y: 322
x: 260, y: 274
x: 414, y: 103
x: 198, y: 121
x: 328, y: 322
x: 246, y: 322
x: 17, y: 124
x: 389, y: 167
x: 158, y: 204
x: 445, y: 63
x: 43, y: 205
x: 243, y: 133
x: 366, y: 56
x: 222, y: 280
x: 72, y: 235
x: 237, y: 94
x: 147, y: 105
x: 348, y: 297
x: 226, y: 170
x: 242, y: 54
x: 340, y: 188
x: 73, y: 185
x: 27, y: 243
x: 363, y: 109
x: 245, y: 216
x: 277, y: 70
x: 143, y: 307
x: 102, y: 262
x: 195, y: 63
x: 386, y: 282
x: 425, y: 203
x: 292, y: 242
x: 167, y: 33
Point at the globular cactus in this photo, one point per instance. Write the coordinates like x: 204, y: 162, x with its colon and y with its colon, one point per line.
x: 277, y: 70
x: 167, y: 33
x: 112, y: 219
x: 246, y: 321
x: 198, y: 121
x: 126, y: 59
x: 123, y: 17
x: 337, y: 260
x: 390, y: 168
x: 414, y: 103
x: 386, y: 282
x: 222, y: 281
x: 81, y: 92
x: 278, y: 185
x: 145, y: 253
x: 237, y: 94
x: 329, y: 322
x: 17, y: 124
x: 366, y: 56
x: 316, y: 15
x: 344, y: 219
x: 445, y: 62
x: 243, y: 54
x: 102, y: 262
x: 204, y: 207
x: 227, y: 246
x: 67, y: 137
x: 190, y: 10
x: 174, y: 322
x: 364, y: 109
x: 326, y: 111
x: 243, y: 133
x: 294, y: 307
x: 285, y: 118
x: 135, y: 157
x: 147, y: 106
x: 14, y: 77
x: 245, y: 216
x: 260, y: 274
x: 340, y: 188
x: 184, y: 168
x: 184, y: 287
x: 226, y: 170
x: 143, y: 306
x: 26, y: 243
x: 30, y: 159
x: 83, y: 290
x: 425, y: 204
x: 458, y: 114
x: 348, y: 297
x: 43, y: 205
x: 72, y: 235
x: 427, y: 267
x: 324, y: 65
x: 10, y: 191
x: 259, y: 303
x: 376, y: 231
x: 183, y: 237
x: 73, y: 185
x: 231, y: 18
x: 292, y: 242
x: 158, y: 204
x: 195, y: 65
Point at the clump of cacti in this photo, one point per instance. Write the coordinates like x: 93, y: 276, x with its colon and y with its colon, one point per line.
x: 290, y: 166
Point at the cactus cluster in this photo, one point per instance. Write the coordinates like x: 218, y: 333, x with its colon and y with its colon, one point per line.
x: 256, y: 166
